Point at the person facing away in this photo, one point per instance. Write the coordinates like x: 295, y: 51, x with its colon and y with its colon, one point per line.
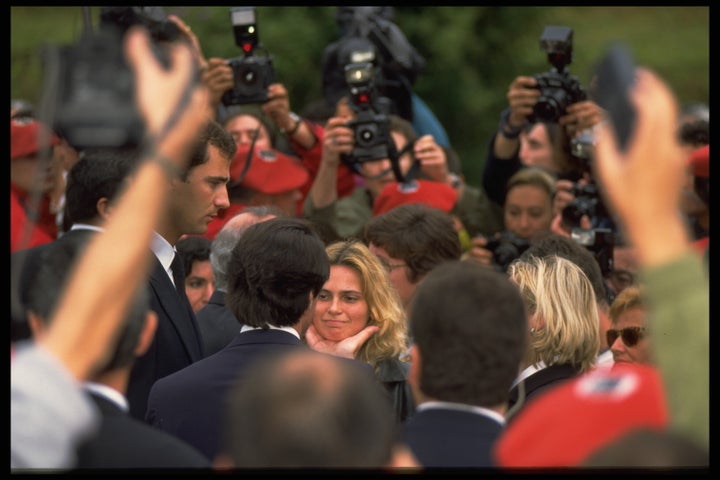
x: 469, y: 332
x: 563, y: 326
x: 92, y: 186
x: 216, y: 321
x: 411, y: 240
x: 197, y: 195
x: 199, y: 281
x: 358, y: 314
x: 566, y: 247
x: 121, y: 440
x: 309, y: 410
x: 276, y: 270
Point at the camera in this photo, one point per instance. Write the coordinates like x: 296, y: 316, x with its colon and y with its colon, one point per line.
x: 506, y: 247
x: 371, y: 125
x: 89, y: 89
x: 583, y: 146
x: 587, y: 202
x: 252, y: 73
x: 558, y: 88
x: 601, y: 242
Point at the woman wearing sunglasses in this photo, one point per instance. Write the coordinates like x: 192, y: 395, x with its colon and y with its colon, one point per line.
x: 628, y: 337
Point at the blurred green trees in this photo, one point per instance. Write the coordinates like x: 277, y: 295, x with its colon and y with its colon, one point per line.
x: 472, y: 53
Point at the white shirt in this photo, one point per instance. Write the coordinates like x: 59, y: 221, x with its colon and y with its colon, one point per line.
x: 164, y: 253
x: 246, y: 328
x: 463, y: 407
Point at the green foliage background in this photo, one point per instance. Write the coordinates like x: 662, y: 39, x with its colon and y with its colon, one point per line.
x: 472, y: 53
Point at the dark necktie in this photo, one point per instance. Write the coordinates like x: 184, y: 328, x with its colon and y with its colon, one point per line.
x: 178, y: 275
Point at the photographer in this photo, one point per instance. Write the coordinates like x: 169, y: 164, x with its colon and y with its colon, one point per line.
x: 527, y: 215
x: 346, y: 216
x: 370, y: 32
x: 531, y: 134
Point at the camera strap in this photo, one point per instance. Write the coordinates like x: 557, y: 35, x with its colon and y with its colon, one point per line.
x: 248, y: 159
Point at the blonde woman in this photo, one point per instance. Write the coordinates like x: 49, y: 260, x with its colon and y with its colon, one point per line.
x: 358, y: 314
x: 563, y: 320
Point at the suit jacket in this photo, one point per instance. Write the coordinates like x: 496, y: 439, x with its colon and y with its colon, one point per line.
x: 539, y: 382
x: 125, y: 442
x: 177, y: 342
x: 447, y: 438
x: 190, y: 404
x: 22, y: 264
x: 217, y: 324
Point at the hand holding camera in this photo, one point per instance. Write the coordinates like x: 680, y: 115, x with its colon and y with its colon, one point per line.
x: 252, y: 73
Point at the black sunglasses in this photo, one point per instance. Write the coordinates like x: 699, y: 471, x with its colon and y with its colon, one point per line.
x: 630, y: 335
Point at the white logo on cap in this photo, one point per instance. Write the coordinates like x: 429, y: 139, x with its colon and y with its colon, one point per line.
x: 267, y: 155
x: 409, y: 187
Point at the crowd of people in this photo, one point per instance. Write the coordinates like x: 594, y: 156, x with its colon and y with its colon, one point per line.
x: 236, y: 292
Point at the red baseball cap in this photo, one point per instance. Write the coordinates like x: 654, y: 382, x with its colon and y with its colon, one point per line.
x: 568, y: 423
x: 436, y: 194
x: 270, y: 171
x: 699, y: 161
x: 25, y: 136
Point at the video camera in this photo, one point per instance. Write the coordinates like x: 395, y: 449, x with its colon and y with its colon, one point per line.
x: 368, y: 35
x: 89, y: 89
x: 506, y: 247
x: 558, y: 88
x: 371, y: 124
x: 252, y: 73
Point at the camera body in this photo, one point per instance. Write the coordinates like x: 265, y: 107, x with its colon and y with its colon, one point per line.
x: 252, y: 73
x: 601, y: 242
x: 588, y: 202
x: 89, y: 87
x: 558, y: 88
x: 371, y: 125
x: 506, y: 247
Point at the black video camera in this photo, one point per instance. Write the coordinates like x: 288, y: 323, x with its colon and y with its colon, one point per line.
x: 371, y: 124
x: 558, y: 88
x: 368, y: 35
x: 89, y: 90
x: 506, y: 247
x: 252, y: 73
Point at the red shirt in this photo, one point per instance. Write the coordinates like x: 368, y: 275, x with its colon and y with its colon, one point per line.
x: 44, y: 230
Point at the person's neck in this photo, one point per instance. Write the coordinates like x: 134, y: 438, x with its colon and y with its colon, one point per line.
x: 116, y: 379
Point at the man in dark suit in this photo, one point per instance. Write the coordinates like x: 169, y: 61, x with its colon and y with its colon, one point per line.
x: 92, y: 185
x: 121, y: 441
x: 217, y: 323
x: 469, y: 332
x: 276, y: 269
x: 197, y: 195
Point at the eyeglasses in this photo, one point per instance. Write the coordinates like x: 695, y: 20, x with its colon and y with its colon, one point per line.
x: 630, y: 335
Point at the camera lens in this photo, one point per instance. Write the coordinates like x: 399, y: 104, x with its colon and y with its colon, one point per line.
x: 365, y: 134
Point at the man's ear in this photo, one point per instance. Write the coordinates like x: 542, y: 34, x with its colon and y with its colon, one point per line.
x: 147, y: 334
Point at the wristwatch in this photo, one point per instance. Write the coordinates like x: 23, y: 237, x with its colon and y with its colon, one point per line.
x: 294, y: 129
x: 507, y: 130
